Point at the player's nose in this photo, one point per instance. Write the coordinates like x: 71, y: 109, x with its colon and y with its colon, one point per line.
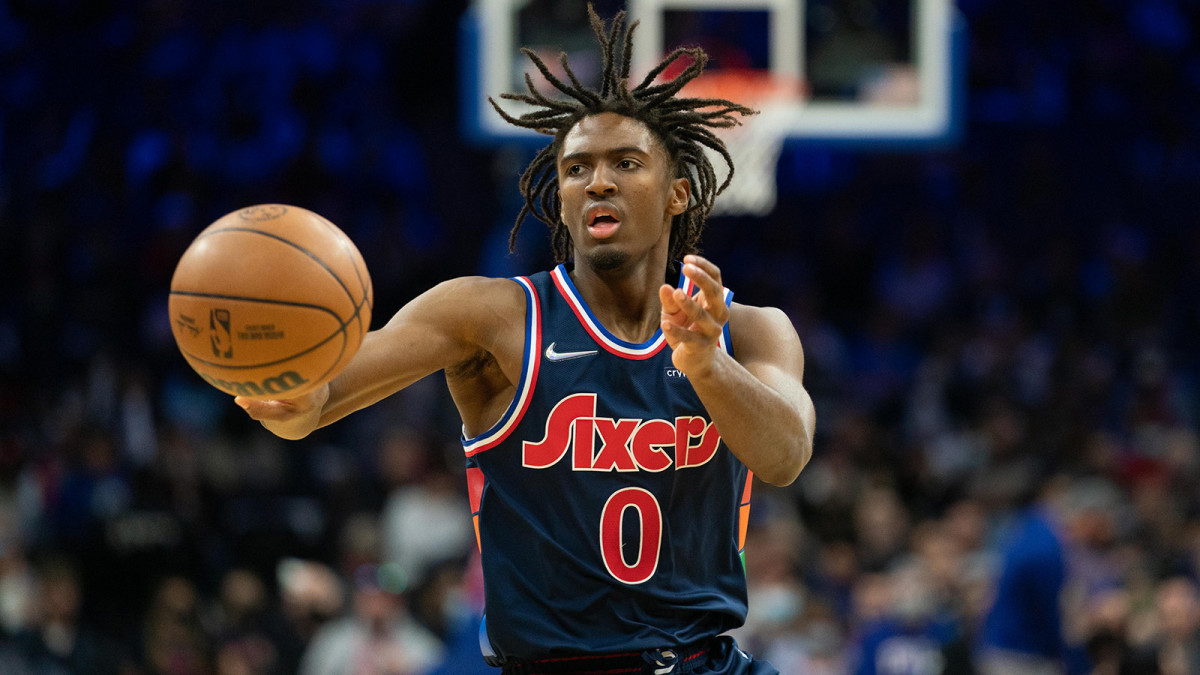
x: 602, y: 183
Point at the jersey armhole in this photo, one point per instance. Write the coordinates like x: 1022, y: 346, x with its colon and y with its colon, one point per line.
x: 529, y: 372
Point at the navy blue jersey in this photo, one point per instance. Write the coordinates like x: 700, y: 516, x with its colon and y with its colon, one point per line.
x: 609, y: 513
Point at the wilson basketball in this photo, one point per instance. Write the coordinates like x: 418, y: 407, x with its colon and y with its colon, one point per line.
x: 270, y: 301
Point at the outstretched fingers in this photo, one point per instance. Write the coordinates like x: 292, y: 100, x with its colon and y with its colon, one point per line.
x: 671, y: 310
x: 707, y: 277
x: 699, y: 317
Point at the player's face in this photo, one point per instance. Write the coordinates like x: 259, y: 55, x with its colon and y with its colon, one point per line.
x: 618, y: 191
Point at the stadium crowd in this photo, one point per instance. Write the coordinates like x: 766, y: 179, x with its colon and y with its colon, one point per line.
x: 1000, y: 339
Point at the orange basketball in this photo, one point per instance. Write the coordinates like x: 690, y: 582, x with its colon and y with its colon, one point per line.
x: 270, y: 301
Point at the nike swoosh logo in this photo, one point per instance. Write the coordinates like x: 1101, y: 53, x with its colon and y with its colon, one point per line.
x: 563, y: 356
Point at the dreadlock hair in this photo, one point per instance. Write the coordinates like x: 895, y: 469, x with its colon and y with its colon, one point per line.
x: 683, y: 125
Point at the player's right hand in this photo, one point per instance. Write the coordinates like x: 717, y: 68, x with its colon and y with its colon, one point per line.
x: 289, y: 418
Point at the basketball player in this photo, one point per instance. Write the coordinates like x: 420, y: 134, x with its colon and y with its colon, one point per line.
x: 610, y: 420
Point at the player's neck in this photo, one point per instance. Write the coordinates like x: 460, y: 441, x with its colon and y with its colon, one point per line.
x: 625, y: 300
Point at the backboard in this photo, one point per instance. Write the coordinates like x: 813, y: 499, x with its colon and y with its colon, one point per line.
x: 860, y: 72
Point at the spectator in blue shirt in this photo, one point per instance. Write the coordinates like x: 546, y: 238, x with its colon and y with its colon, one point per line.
x: 1023, y: 631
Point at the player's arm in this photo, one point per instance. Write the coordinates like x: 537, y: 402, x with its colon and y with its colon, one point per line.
x: 447, y: 325
x: 758, y: 401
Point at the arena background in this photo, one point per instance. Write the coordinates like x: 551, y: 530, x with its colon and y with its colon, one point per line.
x: 1002, y: 321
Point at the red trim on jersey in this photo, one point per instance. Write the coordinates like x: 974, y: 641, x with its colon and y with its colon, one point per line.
x: 636, y: 353
x: 475, y: 481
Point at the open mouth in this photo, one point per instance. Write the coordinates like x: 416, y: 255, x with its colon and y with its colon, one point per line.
x: 602, y: 223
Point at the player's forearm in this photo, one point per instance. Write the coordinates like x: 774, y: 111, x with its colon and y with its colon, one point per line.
x: 770, y: 434
x: 355, y: 390
x: 296, y: 419
x: 390, y: 359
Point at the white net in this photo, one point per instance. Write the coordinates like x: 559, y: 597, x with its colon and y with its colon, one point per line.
x: 755, y: 149
x: 756, y: 144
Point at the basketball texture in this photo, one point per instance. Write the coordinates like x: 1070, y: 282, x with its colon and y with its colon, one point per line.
x: 270, y: 302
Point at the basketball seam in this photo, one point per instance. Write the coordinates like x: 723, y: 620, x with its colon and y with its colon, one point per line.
x: 298, y: 247
x: 349, y: 249
x: 248, y: 298
x: 343, y: 243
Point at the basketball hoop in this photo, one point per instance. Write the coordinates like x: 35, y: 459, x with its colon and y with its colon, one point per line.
x: 756, y: 144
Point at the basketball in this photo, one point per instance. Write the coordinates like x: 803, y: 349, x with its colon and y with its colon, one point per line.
x: 270, y: 302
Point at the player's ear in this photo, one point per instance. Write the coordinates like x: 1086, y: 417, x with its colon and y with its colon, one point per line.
x: 681, y: 193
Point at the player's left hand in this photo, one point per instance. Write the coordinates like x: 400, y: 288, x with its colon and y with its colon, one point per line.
x: 693, y: 324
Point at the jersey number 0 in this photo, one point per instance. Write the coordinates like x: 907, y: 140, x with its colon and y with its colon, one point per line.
x: 612, y: 535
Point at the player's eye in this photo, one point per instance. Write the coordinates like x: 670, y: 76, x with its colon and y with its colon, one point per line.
x: 626, y: 164
x: 574, y: 169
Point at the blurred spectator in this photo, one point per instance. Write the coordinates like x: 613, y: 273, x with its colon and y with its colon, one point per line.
x: 378, y: 637
x: 459, y: 603
x: 425, y: 519
x: 964, y: 549
x: 1173, y: 648
x: 913, y: 635
x: 1108, y: 636
x: 250, y: 633
x: 18, y: 584
x: 311, y: 595
x: 57, y: 640
x: 881, y: 524
x: 1024, y: 632
x: 174, y: 639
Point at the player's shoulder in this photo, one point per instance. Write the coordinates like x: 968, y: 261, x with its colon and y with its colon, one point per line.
x: 759, y: 330
x: 754, y: 319
x: 498, y: 292
x: 488, y: 312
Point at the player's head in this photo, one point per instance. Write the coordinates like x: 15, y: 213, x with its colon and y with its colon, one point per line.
x: 683, y: 127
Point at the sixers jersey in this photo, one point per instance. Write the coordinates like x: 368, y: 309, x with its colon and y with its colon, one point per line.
x: 609, y: 514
